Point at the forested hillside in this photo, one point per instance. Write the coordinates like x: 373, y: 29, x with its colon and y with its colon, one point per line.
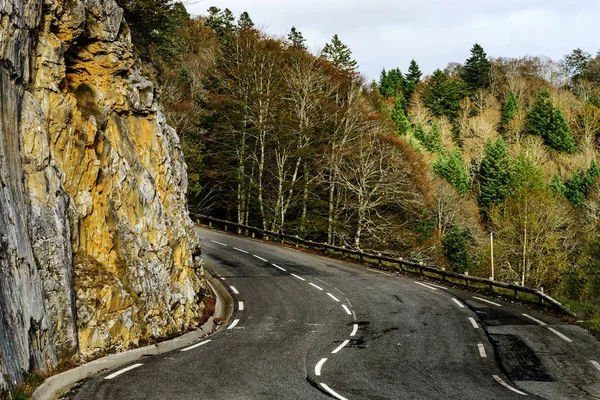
x: 424, y: 167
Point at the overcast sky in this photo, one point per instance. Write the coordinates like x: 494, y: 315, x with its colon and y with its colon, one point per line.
x: 388, y: 33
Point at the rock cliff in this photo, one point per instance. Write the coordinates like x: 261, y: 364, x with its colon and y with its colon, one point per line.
x: 96, y: 247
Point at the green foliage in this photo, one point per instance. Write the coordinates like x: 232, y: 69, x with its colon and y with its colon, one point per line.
x: 457, y: 243
x: 431, y: 140
x: 548, y: 122
x: 244, y: 21
x: 494, y: 174
x: 413, y: 76
x: 510, y: 108
x: 452, y: 168
x: 399, y: 117
x: 442, y: 95
x: 338, y: 54
x: 295, y: 39
x: 165, y: 45
x: 146, y: 18
x: 476, y: 71
x: 392, y: 83
x: 577, y: 188
x: 526, y: 175
x: 222, y: 22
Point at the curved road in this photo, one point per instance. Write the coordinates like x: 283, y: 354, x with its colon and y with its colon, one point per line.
x: 307, y: 327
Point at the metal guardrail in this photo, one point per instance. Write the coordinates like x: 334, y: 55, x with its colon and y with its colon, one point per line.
x: 379, y: 259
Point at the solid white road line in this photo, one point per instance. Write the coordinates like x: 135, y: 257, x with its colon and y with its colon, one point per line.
x: 595, y: 364
x: 341, y: 346
x: 427, y: 286
x: 437, y: 286
x: 202, y: 237
x: 196, y: 345
x: 331, y: 392
x: 481, y: 350
x: 315, y: 286
x: 222, y: 244
x: 278, y: 267
x: 243, y: 251
x: 241, y: 306
x: 298, y: 277
x: 487, y: 301
x: 534, y: 319
x: 122, y: 371
x: 473, y: 322
x: 461, y: 305
x: 233, y: 324
x: 347, y: 309
x: 560, y: 335
x: 260, y: 258
x: 319, y: 366
x: 506, y: 385
x: 233, y: 289
x: 354, y: 330
x: 333, y: 297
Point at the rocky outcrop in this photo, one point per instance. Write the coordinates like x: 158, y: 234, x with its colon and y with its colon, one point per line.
x: 95, y: 241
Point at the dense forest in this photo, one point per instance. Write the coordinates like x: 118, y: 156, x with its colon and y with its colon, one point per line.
x: 424, y: 167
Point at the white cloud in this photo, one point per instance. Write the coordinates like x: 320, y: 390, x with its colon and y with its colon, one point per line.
x: 389, y: 33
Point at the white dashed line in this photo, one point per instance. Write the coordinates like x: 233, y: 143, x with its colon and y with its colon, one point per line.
x: 534, y: 319
x: 595, y: 364
x: 233, y: 324
x: 315, y: 286
x: 437, y: 286
x: 347, y: 310
x: 222, y: 244
x: 560, y: 335
x: 427, y: 286
x: 243, y: 251
x: 354, y: 330
x: 461, y: 305
x: 481, y: 350
x: 298, y: 277
x: 234, y: 290
x: 196, y: 345
x: 319, y: 366
x: 506, y: 385
x: 241, y: 306
x: 487, y: 301
x: 333, y: 297
x: 341, y: 346
x: 331, y: 392
x: 278, y: 267
x: 122, y: 371
x: 260, y: 258
x: 473, y: 322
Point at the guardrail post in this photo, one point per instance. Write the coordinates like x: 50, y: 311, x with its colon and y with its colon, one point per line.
x: 443, y: 274
x: 210, y: 224
x: 516, y: 294
x: 225, y: 227
x: 379, y: 259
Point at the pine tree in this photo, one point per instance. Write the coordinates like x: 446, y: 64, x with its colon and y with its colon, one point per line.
x: 295, y: 39
x: 476, y: 71
x: 338, y: 54
x: 413, y: 76
x: 399, y: 117
x: 245, y: 22
x: 494, y: 174
x: 452, y: 168
x: 392, y: 83
x: 222, y: 22
x: 510, y: 108
x: 557, y: 186
x: 442, y: 96
x: 559, y: 135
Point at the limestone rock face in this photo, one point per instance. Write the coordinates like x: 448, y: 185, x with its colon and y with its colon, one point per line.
x: 95, y: 241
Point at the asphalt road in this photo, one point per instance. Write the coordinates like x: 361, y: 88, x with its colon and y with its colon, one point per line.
x: 307, y: 327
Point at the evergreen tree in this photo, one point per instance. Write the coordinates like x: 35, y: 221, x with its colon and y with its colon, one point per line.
x: 549, y: 123
x: 457, y: 243
x: 494, y: 174
x: 399, y: 117
x: 452, y: 168
x: 392, y: 83
x: 559, y: 135
x: 431, y: 140
x: 338, y: 54
x: 557, y: 186
x: 413, y: 76
x: 510, y: 108
x: 295, y: 39
x: 578, y: 187
x: 245, y: 22
x: 476, y: 71
x: 442, y: 96
x: 222, y: 22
